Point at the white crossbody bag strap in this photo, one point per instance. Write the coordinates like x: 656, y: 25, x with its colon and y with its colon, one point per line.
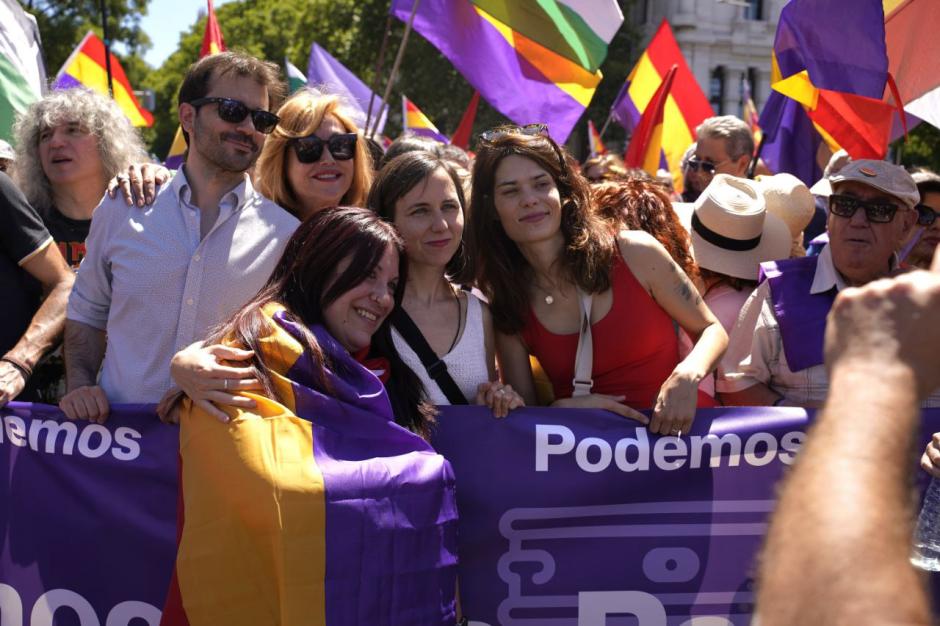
x: 584, y: 358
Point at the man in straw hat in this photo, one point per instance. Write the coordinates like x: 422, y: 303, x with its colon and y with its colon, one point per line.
x: 775, y: 354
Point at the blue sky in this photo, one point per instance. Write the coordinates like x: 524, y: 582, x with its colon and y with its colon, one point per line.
x: 164, y: 22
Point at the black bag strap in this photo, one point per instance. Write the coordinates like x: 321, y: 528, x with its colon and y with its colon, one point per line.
x: 435, y: 367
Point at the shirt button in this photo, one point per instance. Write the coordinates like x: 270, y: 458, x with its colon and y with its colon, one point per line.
x: 189, y: 301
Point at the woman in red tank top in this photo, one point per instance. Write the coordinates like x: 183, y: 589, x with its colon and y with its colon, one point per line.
x: 538, y: 243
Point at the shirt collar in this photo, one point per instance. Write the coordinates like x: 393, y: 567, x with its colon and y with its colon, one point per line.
x: 234, y: 199
x: 827, y: 276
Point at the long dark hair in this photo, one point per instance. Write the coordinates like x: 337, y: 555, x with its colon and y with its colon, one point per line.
x: 402, y: 174
x: 304, y: 282
x: 501, y: 271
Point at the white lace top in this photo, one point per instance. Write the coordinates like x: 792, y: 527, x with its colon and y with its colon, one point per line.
x: 466, y: 362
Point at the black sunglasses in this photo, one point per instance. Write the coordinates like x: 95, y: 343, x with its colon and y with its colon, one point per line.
x: 876, y: 212
x: 694, y: 164
x: 309, y: 149
x: 234, y: 111
x: 925, y: 215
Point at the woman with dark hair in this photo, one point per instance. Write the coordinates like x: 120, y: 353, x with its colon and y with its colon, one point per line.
x: 925, y: 236
x: 441, y: 331
x: 551, y: 266
x: 300, y: 487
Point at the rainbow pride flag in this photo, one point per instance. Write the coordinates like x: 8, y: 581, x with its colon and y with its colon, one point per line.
x: 417, y: 123
x: 595, y: 144
x: 86, y: 67
x: 212, y: 43
x: 313, y: 508
x: 685, y: 108
x: 532, y: 60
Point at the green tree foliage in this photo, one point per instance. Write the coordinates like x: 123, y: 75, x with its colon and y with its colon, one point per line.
x: 63, y: 23
x: 922, y: 149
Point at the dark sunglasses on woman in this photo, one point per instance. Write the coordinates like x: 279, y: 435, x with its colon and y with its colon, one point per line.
x: 310, y: 149
x: 234, y: 111
x: 925, y: 215
x: 876, y: 212
x: 489, y: 136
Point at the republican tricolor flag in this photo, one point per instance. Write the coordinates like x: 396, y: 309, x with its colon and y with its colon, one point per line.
x: 417, y: 123
x: 87, y: 67
x: 685, y: 106
x: 647, y: 141
x: 596, y: 147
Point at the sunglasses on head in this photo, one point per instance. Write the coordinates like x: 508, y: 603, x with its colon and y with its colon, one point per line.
x: 234, y: 111
x: 309, y: 149
x: 493, y: 134
x: 876, y: 212
x: 925, y: 215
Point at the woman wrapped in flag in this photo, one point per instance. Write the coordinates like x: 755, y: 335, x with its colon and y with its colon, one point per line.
x: 315, y: 507
x: 547, y: 261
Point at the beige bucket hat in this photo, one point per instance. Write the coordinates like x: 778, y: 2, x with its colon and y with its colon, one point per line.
x: 731, y: 231
x: 789, y: 199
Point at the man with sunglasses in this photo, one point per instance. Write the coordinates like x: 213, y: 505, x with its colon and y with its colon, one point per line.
x: 925, y: 238
x: 724, y: 145
x: 157, y: 278
x: 775, y: 352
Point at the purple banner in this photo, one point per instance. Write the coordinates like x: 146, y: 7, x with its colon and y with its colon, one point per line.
x: 87, y: 517
x: 566, y: 517
x: 570, y: 518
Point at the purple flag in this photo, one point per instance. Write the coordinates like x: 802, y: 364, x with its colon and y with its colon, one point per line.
x: 523, y: 80
x: 812, y: 36
x: 323, y: 69
x: 623, y: 110
x: 790, y: 139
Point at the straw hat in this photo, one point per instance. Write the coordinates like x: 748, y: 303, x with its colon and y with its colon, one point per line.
x: 789, y: 199
x: 731, y: 231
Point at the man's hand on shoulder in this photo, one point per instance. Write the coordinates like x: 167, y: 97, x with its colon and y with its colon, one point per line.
x: 86, y: 403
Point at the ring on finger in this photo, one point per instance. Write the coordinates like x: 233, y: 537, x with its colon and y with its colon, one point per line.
x: 225, y: 384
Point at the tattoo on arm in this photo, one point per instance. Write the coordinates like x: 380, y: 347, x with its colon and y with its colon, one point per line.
x: 684, y: 287
x: 84, y: 352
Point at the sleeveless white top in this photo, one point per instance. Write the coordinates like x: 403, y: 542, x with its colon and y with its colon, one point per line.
x: 466, y: 362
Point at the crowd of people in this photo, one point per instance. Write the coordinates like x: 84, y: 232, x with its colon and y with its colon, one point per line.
x: 512, y: 277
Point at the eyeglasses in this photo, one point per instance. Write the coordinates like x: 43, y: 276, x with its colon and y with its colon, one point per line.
x: 925, y: 215
x: 234, y: 111
x: 876, y: 212
x: 310, y: 149
x: 708, y: 167
x: 493, y: 134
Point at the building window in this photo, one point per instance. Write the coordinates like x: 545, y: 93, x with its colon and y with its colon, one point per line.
x: 754, y: 10
x: 753, y: 80
x: 716, y: 89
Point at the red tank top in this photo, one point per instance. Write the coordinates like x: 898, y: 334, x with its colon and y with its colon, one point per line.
x: 635, y: 346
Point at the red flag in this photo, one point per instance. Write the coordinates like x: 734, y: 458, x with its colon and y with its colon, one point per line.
x: 212, y: 42
x: 461, y: 136
x: 646, y: 143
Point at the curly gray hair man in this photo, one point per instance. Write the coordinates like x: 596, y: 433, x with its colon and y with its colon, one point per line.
x: 84, y: 111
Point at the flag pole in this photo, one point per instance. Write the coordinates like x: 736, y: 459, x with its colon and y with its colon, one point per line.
x: 107, y: 45
x: 378, y: 69
x: 752, y: 166
x: 395, y: 65
x: 606, y: 124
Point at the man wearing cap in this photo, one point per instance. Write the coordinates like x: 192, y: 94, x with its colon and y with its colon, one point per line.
x: 775, y: 353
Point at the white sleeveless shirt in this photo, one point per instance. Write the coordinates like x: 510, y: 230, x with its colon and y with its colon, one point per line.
x: 466, y: 362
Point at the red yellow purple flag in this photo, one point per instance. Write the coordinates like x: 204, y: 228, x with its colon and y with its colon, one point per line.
x: 686, y: 105
x: 417, y: 123
x: 87, y: 67
x: 595, y: 145
x: 461, y: 136
x: 647, y: 141
x: 911, y: 28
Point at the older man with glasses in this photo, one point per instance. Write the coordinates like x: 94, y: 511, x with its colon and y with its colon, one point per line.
x: 724, y: 145
x: 775, y: 353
